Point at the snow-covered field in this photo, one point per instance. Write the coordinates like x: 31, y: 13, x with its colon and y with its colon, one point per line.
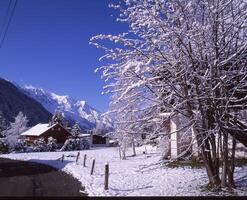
x: 143, y: 175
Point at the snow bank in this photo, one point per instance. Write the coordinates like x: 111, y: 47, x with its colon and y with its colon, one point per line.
x: 142, y: 175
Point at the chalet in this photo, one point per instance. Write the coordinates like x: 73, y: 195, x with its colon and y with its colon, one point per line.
x: 45, y: 131
x: 100, y: 140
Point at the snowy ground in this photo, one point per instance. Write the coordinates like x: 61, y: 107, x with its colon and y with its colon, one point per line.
x: 142, y: 175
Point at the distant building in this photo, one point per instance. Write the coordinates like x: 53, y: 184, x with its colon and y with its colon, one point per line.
x: 100, y: 140
x: 45, y: 131
x: 180, y: 139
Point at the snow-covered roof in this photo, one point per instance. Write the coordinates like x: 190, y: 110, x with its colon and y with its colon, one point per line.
x: 113, y: 141
x: 37, y: 130
x: 84, y: 135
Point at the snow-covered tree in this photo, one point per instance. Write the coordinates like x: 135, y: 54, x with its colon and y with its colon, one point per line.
x: 85, y: 144
x: 76, y: 130
x: 69, y: 145
x: 21, y: 145
x: 58, y: 117
x: 39, y: 145
x: 4, y: 145
x: 72, y: 144
x: 16, y: 128
x: 186, y: 58
x: 3, y: 124
x: 52, y: 144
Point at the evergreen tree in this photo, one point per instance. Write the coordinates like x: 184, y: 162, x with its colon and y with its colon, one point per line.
x: 40, y: 145
x: 68, y: 145
x: 21, y: 145
x: 76, y: 130
x: 72, y: 144
x: 58, y: 117
x: 4, y: 145
x: 51, y: 144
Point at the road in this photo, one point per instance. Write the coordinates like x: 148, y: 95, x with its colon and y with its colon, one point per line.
x: 19, y: 178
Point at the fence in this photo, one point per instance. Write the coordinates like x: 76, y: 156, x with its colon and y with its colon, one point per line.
x: 77, y: 157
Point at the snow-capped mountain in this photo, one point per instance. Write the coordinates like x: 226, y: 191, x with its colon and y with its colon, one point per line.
x: 13, y: 101
x: 73, y: 109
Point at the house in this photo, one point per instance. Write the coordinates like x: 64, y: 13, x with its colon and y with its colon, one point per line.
x: 45, y: 131
x: 179, y: 137
x: 100, y: 140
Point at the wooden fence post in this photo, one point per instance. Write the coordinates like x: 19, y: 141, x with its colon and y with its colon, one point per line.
x: 84, y: 161
x: 62, y: 157
x: 106, y: 176
x: 92, y: 166
x: 77, y: 157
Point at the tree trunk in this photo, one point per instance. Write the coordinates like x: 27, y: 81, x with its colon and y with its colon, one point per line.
x: 123, y: 147
x: 224, y: 160
x: 124, y: 155
x: 119, y: 149
x: 214, y: 180
x: 231, y: 183
x: 133, y: 146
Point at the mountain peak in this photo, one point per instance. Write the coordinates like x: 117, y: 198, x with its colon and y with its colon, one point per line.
x: 74, y: 110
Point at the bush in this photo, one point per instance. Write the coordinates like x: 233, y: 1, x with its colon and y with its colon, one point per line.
x: 52, y: 144
x: 21, y: 146
x: 72, y: 144
x: 40, y: 145
x: 4, y: 145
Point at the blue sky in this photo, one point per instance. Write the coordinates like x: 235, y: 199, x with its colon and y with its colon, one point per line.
x: 47, y: 45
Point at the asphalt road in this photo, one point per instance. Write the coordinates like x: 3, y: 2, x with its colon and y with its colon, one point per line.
x: 19, y: 178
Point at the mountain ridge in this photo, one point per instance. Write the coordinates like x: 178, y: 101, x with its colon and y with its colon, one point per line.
x: 74, y: 110
x: 13, y: 101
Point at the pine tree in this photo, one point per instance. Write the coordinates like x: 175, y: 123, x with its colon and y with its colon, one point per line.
x: 51, y: 144
x: 58, y: 117
x: 4, y: 145
x: 21, y: 145
x: 40, y: 145
x: 76, y: 130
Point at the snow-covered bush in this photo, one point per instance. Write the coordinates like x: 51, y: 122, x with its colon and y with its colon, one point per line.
x: 40, y: 145
x: 72, y: 144
x: 52, y: 144
x: 68, y: 145
x: 4, y: 146
x: 21, y: 146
